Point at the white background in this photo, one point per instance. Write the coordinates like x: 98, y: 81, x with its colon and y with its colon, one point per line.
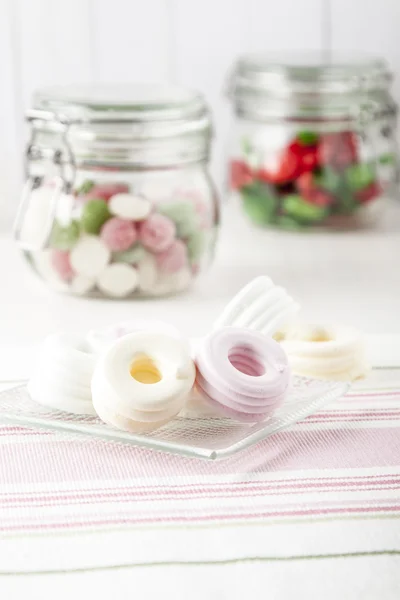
x: 192, y: 42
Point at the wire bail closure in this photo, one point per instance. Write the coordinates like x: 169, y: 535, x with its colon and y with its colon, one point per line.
x: 25, y: 229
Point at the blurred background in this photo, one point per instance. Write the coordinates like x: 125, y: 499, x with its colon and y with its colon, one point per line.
x: 191, y: 42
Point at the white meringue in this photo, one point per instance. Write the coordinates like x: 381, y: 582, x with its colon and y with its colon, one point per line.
x: 62, y: 375
x: 325, y: 352
x: 142, y: 381
x: 260, y: 306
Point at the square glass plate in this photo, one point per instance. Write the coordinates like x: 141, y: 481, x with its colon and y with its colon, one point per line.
x: 198, y: 436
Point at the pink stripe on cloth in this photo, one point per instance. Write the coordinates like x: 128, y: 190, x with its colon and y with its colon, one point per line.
x: 86, y: 483
x: 183, y: 519
x: 203, y: 491
x: 61, y: 460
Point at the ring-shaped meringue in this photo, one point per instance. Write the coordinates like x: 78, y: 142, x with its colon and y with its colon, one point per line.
x: 260, y: 306
x: 325, y: 352
x: 123, y: 401
x: 62, y: 375
x: 243, y: 372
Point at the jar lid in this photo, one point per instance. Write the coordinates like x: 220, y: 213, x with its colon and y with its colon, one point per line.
x: 309, y: 73
x: 152, y: 110
x: 142, y: 125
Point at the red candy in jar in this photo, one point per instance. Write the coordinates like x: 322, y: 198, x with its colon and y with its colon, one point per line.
x: 338, y: 149
x: 240, y: 174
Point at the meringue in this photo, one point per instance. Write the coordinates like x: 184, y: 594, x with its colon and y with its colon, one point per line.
x: 142, y: 381
x: 259, y: 306
x: 244, y: 374
x: 62, y: 375
x: 325, y: 351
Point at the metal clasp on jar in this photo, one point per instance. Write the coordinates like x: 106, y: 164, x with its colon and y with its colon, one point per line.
x: 38, y: 206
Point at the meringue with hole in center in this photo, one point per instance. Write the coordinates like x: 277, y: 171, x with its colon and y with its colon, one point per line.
x: 243, y: 374
x: 325, y: 351
x: 260, y: 306
x: 62, y: 374
x: 142, y: 381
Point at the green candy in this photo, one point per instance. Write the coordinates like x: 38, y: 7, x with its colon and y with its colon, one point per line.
x: 196, y: 245
x: 299, y: 209
x: 259, y: 203
x: 131, y: 256
x: 289, y: 223
x: 183, y: 215
x: 94, y: 214
x: 85, y: 188
x: 64, y: 238
x: 328, y: 179
x: 359, y: 176
x: 307, y: 138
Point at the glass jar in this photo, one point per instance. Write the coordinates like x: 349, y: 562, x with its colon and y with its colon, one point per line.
x: 314, y: 141
x: 118, y: 201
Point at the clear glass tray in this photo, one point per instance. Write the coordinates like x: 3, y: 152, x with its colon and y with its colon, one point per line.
x: 199, y: 436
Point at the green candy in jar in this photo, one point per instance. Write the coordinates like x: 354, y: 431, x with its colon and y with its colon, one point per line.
x: 258, y: 203
x: 184, y: 216
x: 299, y: 209
x: 94, y: 214
x: 329, y: 180
x: 131, y: 256
x: 359, y: 176
x: 64, y: 238
x: 196, y: 246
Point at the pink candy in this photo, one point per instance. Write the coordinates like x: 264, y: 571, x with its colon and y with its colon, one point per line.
x: 61, y: 263
x: 243, y: 374
x: 173, y: 259
x: 118, y: 235
x: 157, y: 233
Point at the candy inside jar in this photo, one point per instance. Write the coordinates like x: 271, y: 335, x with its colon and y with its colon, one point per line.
x: 306, y: 150
x: 147, y: 229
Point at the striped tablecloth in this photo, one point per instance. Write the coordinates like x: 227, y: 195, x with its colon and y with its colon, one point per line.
x: 323, y: 492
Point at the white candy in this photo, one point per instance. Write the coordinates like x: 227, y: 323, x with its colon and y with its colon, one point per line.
x: 62, y: 375
x: 169, y: 283
x: 325, y: 352
x: 128, y: 206
x: 56, y: 399
x: 123, y: 401
x: 148, y: 273
x: 260, y: 306
x: 181, y: 279
x: 81, y: 284
x: 89, y: 256
x: 118, y: 280
x: 119, y: 422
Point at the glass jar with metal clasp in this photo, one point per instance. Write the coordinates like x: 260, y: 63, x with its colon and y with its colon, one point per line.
x: 118, y: 201
x: 314, y: 140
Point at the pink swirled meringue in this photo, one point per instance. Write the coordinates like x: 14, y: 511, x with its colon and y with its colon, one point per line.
x: 244, y: 374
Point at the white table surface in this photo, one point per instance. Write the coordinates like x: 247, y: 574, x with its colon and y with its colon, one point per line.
x: 352, y: 278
